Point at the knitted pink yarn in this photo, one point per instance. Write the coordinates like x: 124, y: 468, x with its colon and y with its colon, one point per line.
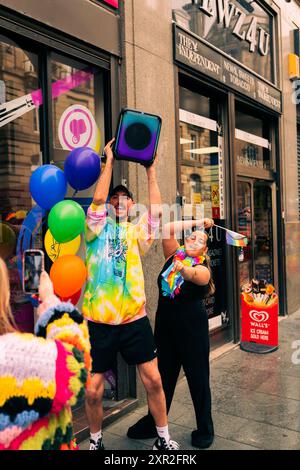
x: 62, y: 377
x: 9, y: 435
x: 16, y: 444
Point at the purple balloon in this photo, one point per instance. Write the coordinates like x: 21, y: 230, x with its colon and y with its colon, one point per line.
x: 82, y: 168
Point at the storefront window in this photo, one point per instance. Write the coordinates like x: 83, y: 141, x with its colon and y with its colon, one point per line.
x: 78, y: 121
x: 20, y: 156
x: 201, y: 155
x: 253, y: 147
x: 240, y: 28
x: 202, y: 184
x: 54, y: 97
x: 245, y: 228
x: 77, y: 109
x: 263, y: 248
x: 255, y: 222
x: 77, y: 92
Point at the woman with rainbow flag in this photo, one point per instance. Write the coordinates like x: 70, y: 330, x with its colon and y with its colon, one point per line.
x: 181, y: 326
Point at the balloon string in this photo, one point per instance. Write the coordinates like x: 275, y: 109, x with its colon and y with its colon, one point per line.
x: 75, y: 192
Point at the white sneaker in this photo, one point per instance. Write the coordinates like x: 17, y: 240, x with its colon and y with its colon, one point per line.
x: 161, y: 444
x: 96, y: 445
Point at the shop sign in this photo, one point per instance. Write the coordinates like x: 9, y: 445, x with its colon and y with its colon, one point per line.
x: 248, y: 155
x: 215, y: 322
x: 215, y: 201
x: 197, y: 120
x: 194, y: 53
x: 77, y: 128
x: 249, y: 159
x: 196, y: 198
x: 230, y: 16
x: 252, y: 138
x: 221, y: 202
x: 112, y: 3
x: 259, y: 323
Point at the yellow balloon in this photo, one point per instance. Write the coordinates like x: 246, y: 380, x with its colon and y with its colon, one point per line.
x: 55, y: 249
x: 97, y: 142
x: 7, y: 241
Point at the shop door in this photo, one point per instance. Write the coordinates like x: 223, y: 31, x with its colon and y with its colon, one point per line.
x: 256, y: 221
x: 202, y: 189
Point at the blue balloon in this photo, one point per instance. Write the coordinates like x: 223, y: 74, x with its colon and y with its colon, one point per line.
x: 48, y: 186
x: 82, y: 168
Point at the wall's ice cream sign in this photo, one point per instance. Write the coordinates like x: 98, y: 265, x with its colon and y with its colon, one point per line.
x: 259, y: 312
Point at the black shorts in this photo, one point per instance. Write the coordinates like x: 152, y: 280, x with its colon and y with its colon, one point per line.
x: 133, y: 340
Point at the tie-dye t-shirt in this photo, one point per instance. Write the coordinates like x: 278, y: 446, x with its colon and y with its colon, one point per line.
x: 115, y: 292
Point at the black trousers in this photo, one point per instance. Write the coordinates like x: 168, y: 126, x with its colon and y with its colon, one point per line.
x: 182, y: 339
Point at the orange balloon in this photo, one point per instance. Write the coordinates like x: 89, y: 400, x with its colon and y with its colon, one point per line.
x: 72, y: 298
x: 68, y: 274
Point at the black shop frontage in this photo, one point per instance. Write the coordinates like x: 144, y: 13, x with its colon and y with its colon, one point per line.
x: 229, y: 105
x: 56, y: 71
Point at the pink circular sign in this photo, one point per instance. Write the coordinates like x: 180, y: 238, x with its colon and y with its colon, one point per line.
x: 77, y: 128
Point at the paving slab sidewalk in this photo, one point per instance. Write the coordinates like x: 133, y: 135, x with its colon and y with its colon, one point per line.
x: 256, y: 401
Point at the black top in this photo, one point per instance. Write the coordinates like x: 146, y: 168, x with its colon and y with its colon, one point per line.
x: 189, y: 291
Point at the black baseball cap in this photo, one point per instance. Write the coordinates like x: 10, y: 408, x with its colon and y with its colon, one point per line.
x: 121, y: 188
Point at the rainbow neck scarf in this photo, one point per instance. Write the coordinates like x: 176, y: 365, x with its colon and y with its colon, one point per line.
x: 171, y: 280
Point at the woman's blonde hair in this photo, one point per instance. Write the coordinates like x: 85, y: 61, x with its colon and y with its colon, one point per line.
x: 7, y: 324
x: 211, y: 284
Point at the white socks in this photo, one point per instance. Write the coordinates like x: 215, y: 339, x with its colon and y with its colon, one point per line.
x: 163, y: 431
x: 96, y: 435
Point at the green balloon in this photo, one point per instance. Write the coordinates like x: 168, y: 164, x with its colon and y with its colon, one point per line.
x: 66, y: 221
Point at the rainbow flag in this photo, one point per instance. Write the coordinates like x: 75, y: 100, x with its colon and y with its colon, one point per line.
x: 235, y: 239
